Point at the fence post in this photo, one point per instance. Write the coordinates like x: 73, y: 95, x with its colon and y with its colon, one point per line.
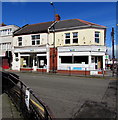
x: 85, y: 71
x: 103, y: 72
x: 42, y: 70
x: 117, y: 70
x: 21, y: 97
x: 69, y: 71
x: 45, y: 114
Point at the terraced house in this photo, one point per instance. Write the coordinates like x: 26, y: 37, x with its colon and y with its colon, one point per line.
x: 6, y: 44
x: 60, y: 46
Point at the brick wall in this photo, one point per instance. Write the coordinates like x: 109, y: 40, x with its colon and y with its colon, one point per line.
x: 53, y: 59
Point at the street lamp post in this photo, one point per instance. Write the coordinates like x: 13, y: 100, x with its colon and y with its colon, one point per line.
x: 51, y: 3
x: 53, y: 69
x: 113, y: 56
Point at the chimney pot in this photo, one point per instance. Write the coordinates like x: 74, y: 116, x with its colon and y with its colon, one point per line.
x: 57, y: 17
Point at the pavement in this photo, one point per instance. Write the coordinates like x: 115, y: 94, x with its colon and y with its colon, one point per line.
x: 9, y: 111
x: 107, y: 108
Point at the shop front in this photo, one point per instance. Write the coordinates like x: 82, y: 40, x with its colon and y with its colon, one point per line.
x: 30, y: 59
x: 81, y: 60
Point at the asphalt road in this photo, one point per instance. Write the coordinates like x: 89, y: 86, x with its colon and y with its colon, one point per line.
x: 65, y: 94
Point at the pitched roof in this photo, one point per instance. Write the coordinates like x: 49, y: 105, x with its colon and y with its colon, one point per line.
x: 43, y: 27
x: 33, y: 28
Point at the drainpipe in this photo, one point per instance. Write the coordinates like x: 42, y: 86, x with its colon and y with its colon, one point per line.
x: 48, y: 52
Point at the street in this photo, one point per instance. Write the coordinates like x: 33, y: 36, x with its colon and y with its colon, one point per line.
x: 65, y: 94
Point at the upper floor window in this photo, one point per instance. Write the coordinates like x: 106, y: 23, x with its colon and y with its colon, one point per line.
x: 5, y: 32
x: 35, y: 39
x: 75, y: 37
x: 19, y: 41
x: 4, y: 47
x: 97, y: 37
x: 9, y: 31
x: 67, y: 38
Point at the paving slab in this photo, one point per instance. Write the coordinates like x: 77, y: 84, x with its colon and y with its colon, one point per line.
x: 9, y: 111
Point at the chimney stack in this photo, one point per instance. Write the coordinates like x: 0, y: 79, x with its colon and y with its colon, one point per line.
x: 57, y: 17
x: 2, y: 24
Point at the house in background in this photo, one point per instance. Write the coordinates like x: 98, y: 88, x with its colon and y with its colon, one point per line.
x: 6, y: 40
x: 60, y: 46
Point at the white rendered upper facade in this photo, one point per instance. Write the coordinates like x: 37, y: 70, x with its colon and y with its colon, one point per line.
x: 6, y: 38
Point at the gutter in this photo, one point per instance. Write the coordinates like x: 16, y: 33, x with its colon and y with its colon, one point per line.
x: 85, y: 26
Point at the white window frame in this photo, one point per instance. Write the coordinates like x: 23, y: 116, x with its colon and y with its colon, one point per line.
x: 75, y: 37
x: 19, y: 41
x: 97, y: 37
x: 67, y: 38
x: 35, y: 39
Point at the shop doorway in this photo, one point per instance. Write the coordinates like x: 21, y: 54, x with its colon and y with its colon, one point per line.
x: 97, y: 62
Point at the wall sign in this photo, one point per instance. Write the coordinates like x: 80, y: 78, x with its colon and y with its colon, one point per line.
x: 72, y: 49
x: 41, y: 62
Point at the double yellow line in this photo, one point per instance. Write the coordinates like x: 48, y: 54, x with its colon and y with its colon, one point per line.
x: 40, y: 107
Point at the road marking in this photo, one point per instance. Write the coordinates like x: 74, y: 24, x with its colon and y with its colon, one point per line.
x: 41, y: 108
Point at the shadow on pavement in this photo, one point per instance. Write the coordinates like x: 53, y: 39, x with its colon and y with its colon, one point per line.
x: 104, y: 110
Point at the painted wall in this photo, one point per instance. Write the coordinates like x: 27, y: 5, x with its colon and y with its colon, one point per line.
x: 85, y: 37
x: 6, y: 40
x: 27, y: 39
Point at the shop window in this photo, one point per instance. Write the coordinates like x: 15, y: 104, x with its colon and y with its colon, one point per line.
x: 81, y: 59
x: 19, y: 41
x: 67, y: 38
x: 93, y: 59
x: 35, y: 39
x: 97, y: 37
x: 16, y: 55
x: 42, y: 61
x: 74, y: 59
x: 75, y: 37
x: 66, y: 59
x: 26, y: 61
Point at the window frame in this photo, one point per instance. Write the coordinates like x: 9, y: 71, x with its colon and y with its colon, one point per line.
x: 73, y: 59
x: 75, y: 37
x: 35, y: 39
x: 67, y: 39
x: 20, y: 41
x: 97, y: 37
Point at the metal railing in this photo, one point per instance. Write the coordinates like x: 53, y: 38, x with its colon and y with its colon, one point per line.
x: 35, y: 108
x: 85, y: 71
